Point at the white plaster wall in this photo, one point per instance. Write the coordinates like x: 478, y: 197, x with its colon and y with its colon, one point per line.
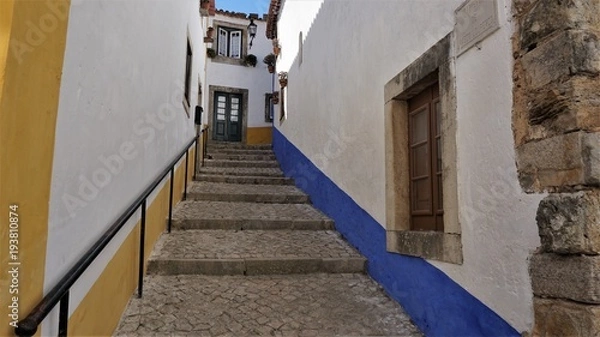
x: 335, y: 117
x: 298, y: 16
x: 497, y: 218
x: 336, y: 94
x: 121, y: 95
x: 257, y: 79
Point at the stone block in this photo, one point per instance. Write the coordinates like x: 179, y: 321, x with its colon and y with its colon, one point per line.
x: 557, y: 318
x: 573, y: 277
x: 438, y: 246
x: 567, y: 53
x: 521, y: 7
x: 591, y: 158
x: 569, y: 223
x: 566, y: 106
x: 561, y: 161
x: 344, y: 265
x: 547, y: 17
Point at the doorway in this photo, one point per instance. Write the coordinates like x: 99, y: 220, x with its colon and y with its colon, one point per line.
x: 227, y: 117
x: 227, y: 113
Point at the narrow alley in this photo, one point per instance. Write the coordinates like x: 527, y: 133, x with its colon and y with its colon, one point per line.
x: 320, y: 168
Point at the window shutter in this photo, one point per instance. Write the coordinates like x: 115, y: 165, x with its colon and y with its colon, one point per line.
x: 222, y: 42
x: 235, y: 48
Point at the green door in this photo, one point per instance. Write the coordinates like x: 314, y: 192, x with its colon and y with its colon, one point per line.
x: 228, y: 117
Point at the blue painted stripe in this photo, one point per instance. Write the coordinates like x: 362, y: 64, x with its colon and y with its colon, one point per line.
x: 438, y: 305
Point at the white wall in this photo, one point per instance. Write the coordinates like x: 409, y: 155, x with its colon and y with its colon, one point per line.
x: 335, y: 117
x: 298, y: 17
x: 497, y: 218
x: 120, y: 122
x: 256, y: 79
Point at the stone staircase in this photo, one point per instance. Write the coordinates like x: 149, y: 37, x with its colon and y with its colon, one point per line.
x: 249, y: 255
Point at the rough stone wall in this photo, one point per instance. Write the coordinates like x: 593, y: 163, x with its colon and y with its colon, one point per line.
x: 556, y: 124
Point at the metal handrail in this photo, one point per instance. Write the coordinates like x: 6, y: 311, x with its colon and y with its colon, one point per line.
x: 60, y: 293
x: 204, y: 142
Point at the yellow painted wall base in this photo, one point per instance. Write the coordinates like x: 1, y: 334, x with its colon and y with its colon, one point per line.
x: 259, y: 135
x: 98, y: 314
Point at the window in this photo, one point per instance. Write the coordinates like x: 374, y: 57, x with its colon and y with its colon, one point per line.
x: 199, y: 91
x: 425, y: 160
x: 188, y: 77
x: 300, y: 48
x: 231, y: 45
x: 422, y: 210
x: 282, y: 97
x: 229, y: 42
x: 268, y: 108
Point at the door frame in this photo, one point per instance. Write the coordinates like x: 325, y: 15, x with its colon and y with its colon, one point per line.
x: 211, y: 107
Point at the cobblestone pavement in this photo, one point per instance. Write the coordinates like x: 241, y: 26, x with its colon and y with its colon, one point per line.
x: 227, y: 244
x: 245, y: 210
x: 220, y: 188
x: 289, y: 305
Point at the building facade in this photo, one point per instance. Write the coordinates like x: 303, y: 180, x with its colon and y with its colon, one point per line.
x: 236, y: 96
x: 96, y: 101
x: 406, y: 128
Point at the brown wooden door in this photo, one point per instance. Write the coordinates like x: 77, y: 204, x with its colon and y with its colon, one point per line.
x: 425, y: 156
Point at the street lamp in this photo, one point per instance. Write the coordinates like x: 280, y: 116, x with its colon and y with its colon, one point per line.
x: 251, y: 31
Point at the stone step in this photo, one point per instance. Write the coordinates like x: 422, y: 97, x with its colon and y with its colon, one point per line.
x: 250, y: 157
x: 254, y: 224
x: 244, y: 171
x: 240, y: 146
x: 191, y: 214
x: 250, y: 180
x: 253, y: 252
x: 238, y: 152
x: 240, y: 163
x: 270, y: 305
x: 280, y: 194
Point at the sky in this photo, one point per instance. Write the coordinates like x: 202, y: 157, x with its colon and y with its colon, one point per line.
x: 247, y: 6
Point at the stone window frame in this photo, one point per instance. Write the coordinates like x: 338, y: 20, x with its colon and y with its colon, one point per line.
x: 211, y: 107
x: 231, y: 60
x: 436, y: 64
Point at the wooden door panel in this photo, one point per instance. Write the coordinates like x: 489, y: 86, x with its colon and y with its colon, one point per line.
x: 425, y: 160
x: 234, y: 121
x: 227, y: 117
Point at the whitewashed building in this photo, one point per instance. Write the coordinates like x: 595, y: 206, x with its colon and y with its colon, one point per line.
x: 396, y: 119
x: 98, y: 98
x: 236, y: 96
